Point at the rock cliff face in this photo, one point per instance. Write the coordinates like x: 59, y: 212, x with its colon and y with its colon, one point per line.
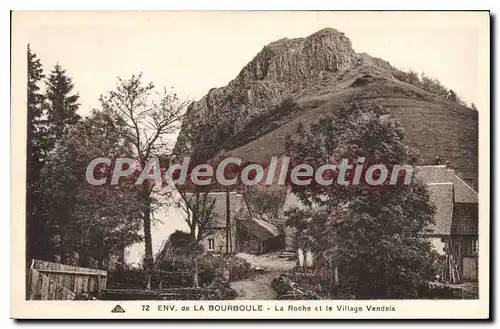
x: 320, y: 72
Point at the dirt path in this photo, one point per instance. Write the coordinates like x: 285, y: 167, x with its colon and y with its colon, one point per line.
x: 259, y: 286
x: 270, y: 261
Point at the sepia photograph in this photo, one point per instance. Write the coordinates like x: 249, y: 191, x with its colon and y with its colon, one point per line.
x: 233, y: 159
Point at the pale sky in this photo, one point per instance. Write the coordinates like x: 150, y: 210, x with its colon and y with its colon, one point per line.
x: 196, y: 51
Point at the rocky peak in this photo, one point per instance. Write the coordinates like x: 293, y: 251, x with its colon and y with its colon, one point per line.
x: 287, y: 60
x: 273, y: 75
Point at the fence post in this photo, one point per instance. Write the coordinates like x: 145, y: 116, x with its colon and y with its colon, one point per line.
x: 29, y: 283
x: 98, y: 283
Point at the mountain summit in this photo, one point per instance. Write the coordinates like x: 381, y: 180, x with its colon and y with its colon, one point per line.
x: 251, y: 116
x: 287, y: 60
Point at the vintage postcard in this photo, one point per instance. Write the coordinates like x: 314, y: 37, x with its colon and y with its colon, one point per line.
x: 258, y: 165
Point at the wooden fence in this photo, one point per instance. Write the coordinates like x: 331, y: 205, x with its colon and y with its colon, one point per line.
x: 54, y: 281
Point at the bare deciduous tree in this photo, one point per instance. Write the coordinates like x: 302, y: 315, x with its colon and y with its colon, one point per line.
x: 151, y: 119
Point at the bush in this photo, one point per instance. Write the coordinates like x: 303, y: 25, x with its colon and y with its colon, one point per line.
x: 136, y: 279
x: 321, y: 285
x: 430, y: 291
x: 212, y: 267
x: 126, y: 278
x: 219, y: 290
x: 223, y: 289
x: 287, y: 289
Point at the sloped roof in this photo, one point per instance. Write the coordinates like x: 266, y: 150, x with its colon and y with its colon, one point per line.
x: 463, y: 193
x: 273, y: 230
x: 432, y: 174
x: 441, y: 194
x: 257, y: 230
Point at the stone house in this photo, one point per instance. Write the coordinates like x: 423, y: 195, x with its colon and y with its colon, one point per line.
x: 247, y: 233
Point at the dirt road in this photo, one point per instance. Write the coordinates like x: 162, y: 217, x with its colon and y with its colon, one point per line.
x: 259, y: 286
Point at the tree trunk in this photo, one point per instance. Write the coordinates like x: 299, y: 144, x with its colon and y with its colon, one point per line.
x: 148, y: 248
x: 228, y: 221
x: 336, y: 275
x: 196, y: 283
x: 83, y: 258
x: 122, y: 256
x: 100, y: 262
x: 304, y: 254
x: 63, y: 255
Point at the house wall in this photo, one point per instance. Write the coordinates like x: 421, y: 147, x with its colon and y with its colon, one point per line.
x: 466, y: 247
x: 469, y: 268
x: 248, y: 242
x: 465, y: 219
x: 219, y: 236
x: 274, y: 244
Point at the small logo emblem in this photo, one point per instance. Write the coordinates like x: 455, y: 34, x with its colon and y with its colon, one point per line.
x: 118, y: 309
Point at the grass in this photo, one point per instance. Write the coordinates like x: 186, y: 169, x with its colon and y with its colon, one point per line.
x: 434, y: 126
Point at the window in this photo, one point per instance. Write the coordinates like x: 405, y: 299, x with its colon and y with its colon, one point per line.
x: 211, y: 244
x: 475, y: 247
x: 471, y: 247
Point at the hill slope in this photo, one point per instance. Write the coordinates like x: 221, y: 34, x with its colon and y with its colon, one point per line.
x: 250, y: 117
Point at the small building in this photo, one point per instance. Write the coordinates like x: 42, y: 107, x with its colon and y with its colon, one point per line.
x: 256, y: 236
x: 247, y: 233
x: 455, y: 232
x: 216, y: 239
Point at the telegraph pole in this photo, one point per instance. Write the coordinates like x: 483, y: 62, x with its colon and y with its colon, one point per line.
x: 228, y: 222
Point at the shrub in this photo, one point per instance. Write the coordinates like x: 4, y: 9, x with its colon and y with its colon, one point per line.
x: 126, y: 278
x: 223, y: 290
x: 431, y: 291
x: 287, y: 289
x: 218, y: 291
x: 238, y: 268
x: 212, y: 267
x: 286, y: 286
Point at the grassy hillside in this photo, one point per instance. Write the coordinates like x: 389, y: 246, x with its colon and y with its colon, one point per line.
x: 434, y: 126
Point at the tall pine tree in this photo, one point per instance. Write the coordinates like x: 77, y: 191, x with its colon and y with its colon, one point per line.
x: 36, y: 233
x: 61, y: 107
x: 62, y: 104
